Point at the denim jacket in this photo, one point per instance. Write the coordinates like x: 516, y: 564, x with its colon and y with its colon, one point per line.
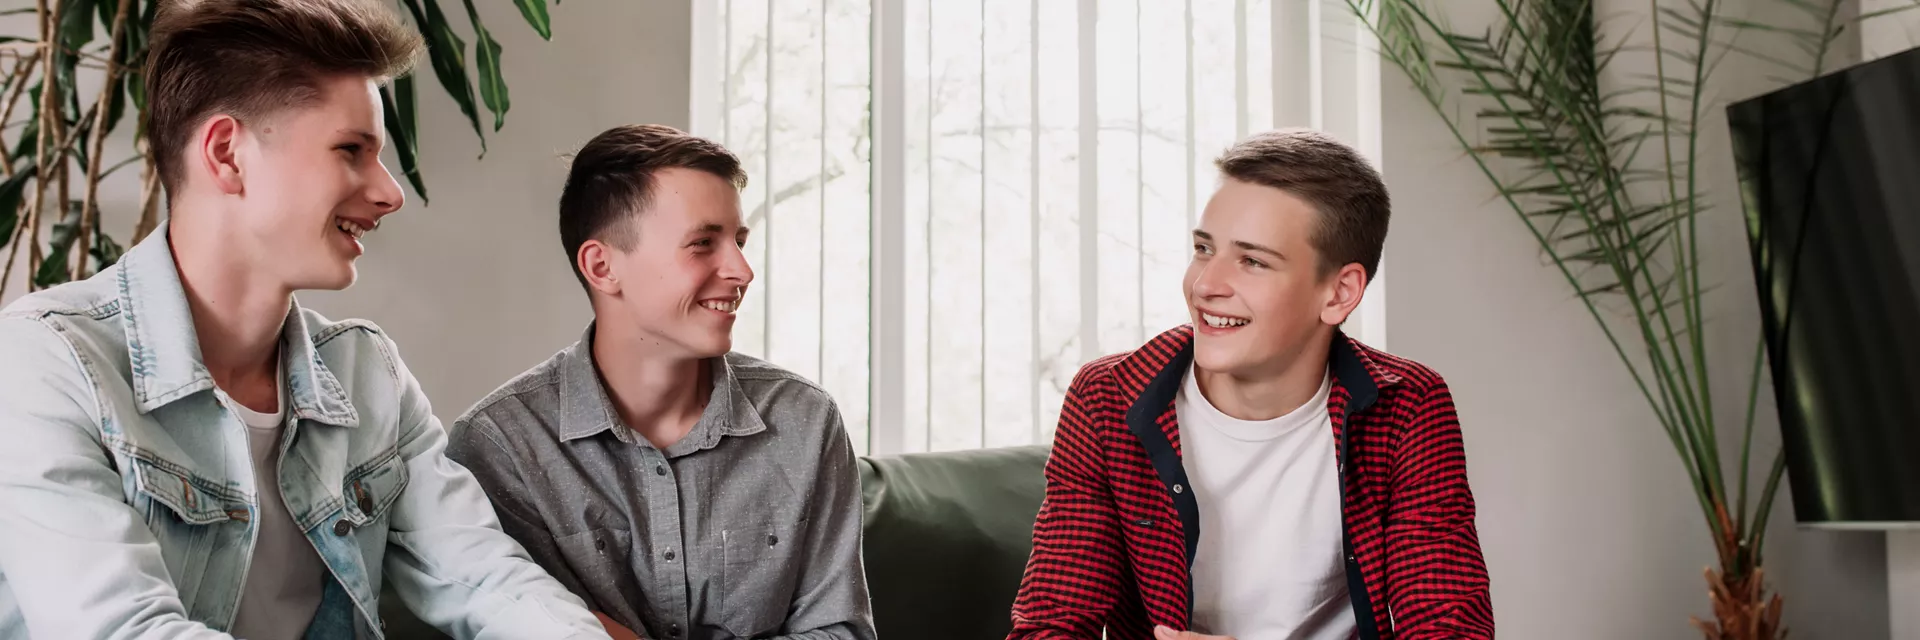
x: 127, y: 495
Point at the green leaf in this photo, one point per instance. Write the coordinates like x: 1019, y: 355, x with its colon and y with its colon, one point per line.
x: 105, y: 251
x: 448, y: 54
x: 535, y: 12
x: 397, y: 102
x: 493, y: 87
x: 28, y: 144
x: 12, y: 192
x: 54, y: 268
x: 76, y: 24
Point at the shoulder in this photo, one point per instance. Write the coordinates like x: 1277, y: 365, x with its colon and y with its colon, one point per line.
x: 96, y: 298
x: 1103, y: 369
x: 1410, y: 377
x: 527, y: 388
x: 767, y: 383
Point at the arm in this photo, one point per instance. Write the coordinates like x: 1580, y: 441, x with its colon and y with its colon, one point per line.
x: 79, y: 560
x: 832, y: 602
x: 1073, y: 576
x: 474, y: 443
x: 1436, y: 579
x: 449, y: 561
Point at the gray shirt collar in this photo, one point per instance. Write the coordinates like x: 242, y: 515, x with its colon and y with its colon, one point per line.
x: 588, y: 411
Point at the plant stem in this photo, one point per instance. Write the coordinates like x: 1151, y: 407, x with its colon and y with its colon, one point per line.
x: 89, y: 214
x: 49, y: 122
x: 21, y: 71
x: 1746, y: 441
x: 149, y: 199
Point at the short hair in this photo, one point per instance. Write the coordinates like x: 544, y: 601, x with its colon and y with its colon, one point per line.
x: 1340, y: 184
x: 611, y: 182
x: 254, y: 58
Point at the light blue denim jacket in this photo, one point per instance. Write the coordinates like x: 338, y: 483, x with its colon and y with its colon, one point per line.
x: 127, y: 493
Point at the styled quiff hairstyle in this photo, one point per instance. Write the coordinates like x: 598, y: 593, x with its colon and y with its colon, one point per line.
x: 1340, y: 184
x: 253, y: 58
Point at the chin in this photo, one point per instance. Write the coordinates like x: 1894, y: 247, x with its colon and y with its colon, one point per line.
x: 334, y: 279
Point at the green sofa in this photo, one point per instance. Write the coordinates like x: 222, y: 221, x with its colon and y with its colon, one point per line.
x: 947, y: 537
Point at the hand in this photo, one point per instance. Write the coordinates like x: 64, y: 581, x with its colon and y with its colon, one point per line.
x: 1164, y: 633
x: 614, y: 629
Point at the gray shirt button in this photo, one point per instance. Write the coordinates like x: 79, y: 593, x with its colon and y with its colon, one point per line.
x: 660, y: 470
x: 669, y: 555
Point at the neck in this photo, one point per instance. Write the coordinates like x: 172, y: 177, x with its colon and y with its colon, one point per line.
x: 1272, y: 392
x: 237, y: 315
x: 658, y: 395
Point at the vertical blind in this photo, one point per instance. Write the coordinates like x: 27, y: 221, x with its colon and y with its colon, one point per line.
x: 955, y: 204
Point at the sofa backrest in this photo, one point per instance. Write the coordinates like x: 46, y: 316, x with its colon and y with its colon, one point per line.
x: 946, y: 539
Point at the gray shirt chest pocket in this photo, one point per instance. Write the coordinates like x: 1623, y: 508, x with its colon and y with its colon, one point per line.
x: 758, y: 574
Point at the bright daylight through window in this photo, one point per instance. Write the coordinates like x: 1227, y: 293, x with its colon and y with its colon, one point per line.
x: 955, y: 204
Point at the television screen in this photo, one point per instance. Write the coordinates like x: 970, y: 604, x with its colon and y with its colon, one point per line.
x: 1830, y: 178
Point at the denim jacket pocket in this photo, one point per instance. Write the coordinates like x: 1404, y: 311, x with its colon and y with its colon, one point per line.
x: 372, y: 488
x: 189, y: 499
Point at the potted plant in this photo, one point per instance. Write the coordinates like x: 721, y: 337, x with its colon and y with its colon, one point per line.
x: 1606, y: 180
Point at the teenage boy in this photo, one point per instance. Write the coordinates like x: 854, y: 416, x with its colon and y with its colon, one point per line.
x: 682, y: 490
x: 1258, y: 474
x: 190, y: 453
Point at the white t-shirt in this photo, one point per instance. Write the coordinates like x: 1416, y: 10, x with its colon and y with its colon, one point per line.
x: 1268, y: 566
x: 286, y: 580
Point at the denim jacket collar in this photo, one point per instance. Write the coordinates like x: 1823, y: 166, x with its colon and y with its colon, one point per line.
x: 165, y: 353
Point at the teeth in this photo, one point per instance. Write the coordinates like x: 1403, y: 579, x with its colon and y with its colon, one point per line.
x: 1222, y: 322
x: 723, y: 306
x: 349, y: 226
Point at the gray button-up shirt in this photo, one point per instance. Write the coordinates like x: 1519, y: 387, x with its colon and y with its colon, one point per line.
x: 748, y: 527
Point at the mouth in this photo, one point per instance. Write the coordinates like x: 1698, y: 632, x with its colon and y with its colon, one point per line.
x: 355, y: 228
x: 722, y: 305
x: 1223, y: 322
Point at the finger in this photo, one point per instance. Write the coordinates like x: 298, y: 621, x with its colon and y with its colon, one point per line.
x: 1161, y: 632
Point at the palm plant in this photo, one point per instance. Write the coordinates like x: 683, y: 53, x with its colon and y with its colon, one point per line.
x: 1606, y: 178
x: 52, y: 164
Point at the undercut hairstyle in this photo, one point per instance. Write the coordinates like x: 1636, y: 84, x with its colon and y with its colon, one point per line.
x: 1340, y: 184
x: 612, y: 179
x: 254, y: 58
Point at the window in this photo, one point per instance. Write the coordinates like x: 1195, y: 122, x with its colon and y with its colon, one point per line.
x: 957, y: 203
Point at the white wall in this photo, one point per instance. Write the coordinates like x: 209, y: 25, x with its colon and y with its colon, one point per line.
x: 1586, y: 517
x: 475, y: 287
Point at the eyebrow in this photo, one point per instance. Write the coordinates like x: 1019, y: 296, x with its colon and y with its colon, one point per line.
x: 1242, y: 245
x: 364, y: 136
x: 714, y: 227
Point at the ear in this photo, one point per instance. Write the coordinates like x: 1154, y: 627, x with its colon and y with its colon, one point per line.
x: 1343, y: 289
x: 595, y: 261
x: 218, y: 153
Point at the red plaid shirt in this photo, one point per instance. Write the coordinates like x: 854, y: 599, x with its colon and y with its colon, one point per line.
x: 1116, y: 535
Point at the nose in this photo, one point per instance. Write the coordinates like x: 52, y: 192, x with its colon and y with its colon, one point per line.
x: 734, y: 267
x: 1207, y: 281
x: 383, y: 192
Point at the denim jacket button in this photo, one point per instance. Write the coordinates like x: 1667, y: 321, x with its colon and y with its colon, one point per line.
x: 342, y: 527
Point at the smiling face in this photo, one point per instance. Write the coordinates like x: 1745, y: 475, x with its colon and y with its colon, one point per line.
x: 682, y: 280
x: 1256, y: 289
x: 310, y: 183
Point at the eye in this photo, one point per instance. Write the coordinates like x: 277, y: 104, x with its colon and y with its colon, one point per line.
x: 1202, y: 249
x: 1253, y: 263
x: 702, y: 243
x: 353, y: 149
